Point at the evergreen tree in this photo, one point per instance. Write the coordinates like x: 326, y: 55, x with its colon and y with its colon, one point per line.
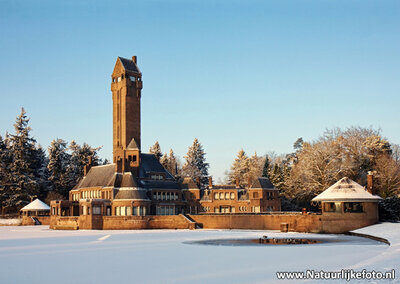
x: 266, y: 167
x: 298, y: 144
x: 59, y: 161
x: 164, y: 161
x: 41, y: 172
x: 5, y: 159
x: 195, y: 163
x: 173, y: 165
x: 256, y: 164
x: 23, y: 183
x: 156, y: 150
x: 78, y: 159
x: 240, y: 168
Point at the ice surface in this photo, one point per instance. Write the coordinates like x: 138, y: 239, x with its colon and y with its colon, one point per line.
x: 35, y: 254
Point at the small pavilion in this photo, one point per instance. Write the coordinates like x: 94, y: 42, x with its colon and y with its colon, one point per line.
x: 36, y: 208
x: 348, y: 197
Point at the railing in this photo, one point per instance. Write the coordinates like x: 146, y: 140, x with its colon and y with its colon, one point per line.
x: 259, y: 213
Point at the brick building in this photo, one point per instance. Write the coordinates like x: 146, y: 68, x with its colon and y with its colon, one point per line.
x: 137, y: 192
x: 136, y: 184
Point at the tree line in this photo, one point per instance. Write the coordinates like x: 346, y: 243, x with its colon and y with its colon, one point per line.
x: 26, y: 171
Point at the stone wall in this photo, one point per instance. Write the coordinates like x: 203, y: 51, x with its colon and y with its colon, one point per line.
x: 296, y: 222
x: 146, y: 222
x: 334, y: 223
x: 27, y: 220
x: 64, y: 223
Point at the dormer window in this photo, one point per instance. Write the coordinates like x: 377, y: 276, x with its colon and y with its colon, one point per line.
x: 156, y: 177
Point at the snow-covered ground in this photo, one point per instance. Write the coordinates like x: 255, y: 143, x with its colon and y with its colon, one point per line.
x: 35, y: 254
x: 10, y: 222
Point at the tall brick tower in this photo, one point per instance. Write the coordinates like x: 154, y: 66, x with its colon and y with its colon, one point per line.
x: 126, y: 87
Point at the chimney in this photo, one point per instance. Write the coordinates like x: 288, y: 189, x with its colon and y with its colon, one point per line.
x: 210, y: 182
x: 237, y: 182
x: 248, y: 182
x: 134, y: 58
x: 198, y: 182
x: 87, y: 167
x: 370, y: 182
x: 118, y: 166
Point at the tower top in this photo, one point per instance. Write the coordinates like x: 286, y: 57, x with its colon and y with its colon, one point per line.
x: 128, y: 65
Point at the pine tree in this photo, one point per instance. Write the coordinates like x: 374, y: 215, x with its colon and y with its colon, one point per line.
x: 255, y: 168
x: 79, y: 158
x: 240, y: 168
x: 195, y: 163
x: 156, y: 150
x: 59, y: 161
x: 5, y: 160
x: 173, y: 165
x: 164, y: 161
x: 41, y: 172
x: 24, y: 184
x: 266, y: 167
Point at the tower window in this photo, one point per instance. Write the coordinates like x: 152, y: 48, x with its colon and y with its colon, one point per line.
x: 134, y: 158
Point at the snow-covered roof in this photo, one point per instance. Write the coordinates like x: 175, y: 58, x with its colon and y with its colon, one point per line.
x: 36, y: 205
x: 346, y: 190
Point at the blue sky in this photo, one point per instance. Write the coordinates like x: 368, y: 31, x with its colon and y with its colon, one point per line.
x: 235, y: 74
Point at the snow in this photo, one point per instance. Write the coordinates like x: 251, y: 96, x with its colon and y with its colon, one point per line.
x: 36, y: 205
x: 35, y: 254
x: 346, y: 189
x: 8, y: 222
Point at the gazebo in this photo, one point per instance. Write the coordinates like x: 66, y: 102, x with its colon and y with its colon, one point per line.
x: 348, y: 197
x: 36, y: 208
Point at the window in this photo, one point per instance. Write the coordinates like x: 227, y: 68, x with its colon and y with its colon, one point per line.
x: 175, y: 196
x: 118, y: 211
x: 128, y: 211
x: 255, y: 194
x: 332, y: 207
x: 227, y: 195
x: 353, y: 207
x: 216, y: 196
x: 221, y: 195
x: 53, y: 211
x: 123, y: 211
x: 216, y: 210
x: 233, y: 209
x: 163, y: 196
x: 96, y: 210
x: 134, y: 158
x: 232, y: 196
x: 135, y: 211
x: 88, y: 210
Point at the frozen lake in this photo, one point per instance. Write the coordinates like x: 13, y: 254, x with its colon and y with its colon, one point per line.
x: 35, y: 254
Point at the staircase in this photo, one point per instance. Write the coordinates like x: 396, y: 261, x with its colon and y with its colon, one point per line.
x: 36, y: 221
x: 189, y: 219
